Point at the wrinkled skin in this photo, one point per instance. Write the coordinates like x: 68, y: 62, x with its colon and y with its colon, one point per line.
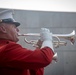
x: 9, y: 31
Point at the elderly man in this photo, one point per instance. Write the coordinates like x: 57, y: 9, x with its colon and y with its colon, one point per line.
x: 16, y: 60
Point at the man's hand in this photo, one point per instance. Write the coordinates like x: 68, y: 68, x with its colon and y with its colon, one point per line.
x: 39, y: 44
x: 46, y: 37
x: 45, y: 34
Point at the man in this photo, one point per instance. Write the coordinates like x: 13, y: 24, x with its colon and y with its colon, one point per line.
x: 16, y: 60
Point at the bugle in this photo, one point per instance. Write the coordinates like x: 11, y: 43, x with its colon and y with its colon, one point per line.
x: 70, y: 37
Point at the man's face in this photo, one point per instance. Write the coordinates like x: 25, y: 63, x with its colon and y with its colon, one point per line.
x: 12, y: 32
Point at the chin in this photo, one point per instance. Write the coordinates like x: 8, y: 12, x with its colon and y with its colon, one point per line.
x: 17, y: 40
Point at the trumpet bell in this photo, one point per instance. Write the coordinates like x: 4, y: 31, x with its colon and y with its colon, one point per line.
x: 71, y: 37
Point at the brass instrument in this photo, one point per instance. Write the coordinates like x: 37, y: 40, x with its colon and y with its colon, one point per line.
x: 70, y: 37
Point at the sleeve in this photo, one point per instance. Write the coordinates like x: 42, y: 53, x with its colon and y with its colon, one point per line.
x: 16, y: 56
x: 37, y: 71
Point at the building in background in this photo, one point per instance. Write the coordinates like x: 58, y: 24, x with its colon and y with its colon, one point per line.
x: 57, y: 22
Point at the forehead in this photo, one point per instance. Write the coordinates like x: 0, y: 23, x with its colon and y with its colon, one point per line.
x: 9, y: 25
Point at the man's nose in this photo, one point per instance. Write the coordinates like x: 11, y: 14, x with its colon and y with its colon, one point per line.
x: 17, y: 29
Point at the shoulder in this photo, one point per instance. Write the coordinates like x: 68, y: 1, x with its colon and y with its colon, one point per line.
x: 13, y: 44
x: 8, y: 44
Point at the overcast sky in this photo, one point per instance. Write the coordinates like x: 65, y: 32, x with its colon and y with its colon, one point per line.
x: 41, y: 5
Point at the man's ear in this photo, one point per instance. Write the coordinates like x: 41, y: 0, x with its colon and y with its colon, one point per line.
x: 2, y: 29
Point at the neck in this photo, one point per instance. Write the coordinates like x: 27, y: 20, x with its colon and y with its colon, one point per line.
x: 3, y: 36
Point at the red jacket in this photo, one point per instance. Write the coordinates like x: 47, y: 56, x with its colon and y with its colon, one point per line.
x: 16, y: 60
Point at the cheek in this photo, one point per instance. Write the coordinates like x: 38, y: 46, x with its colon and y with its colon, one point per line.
x: 12, y: 31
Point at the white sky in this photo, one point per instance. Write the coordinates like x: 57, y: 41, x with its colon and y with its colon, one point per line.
x: 41, y: 5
